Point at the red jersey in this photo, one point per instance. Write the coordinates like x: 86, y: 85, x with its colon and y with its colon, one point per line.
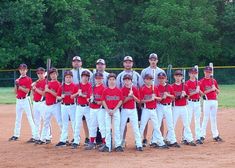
x: 86, y: 90
x: 146, y: 94
x: 97, y: 93
x: 192, y: 86
x: 206, y: 84
x: 68, y: 90
x: 40, y: 85
x: 130, y: 104
x: 54, y: 86
x: 24, y: 82
x: 112, y: 97
x: 167, y: 88
x: 178, y: 91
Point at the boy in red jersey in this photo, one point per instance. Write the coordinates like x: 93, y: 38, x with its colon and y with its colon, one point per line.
x: 210, y: 88
x: 68, y: 106
x: 149, y: 96
x: 112, y: 99
x: 180, y: 107
x: 82, y: 109
x: 194, y: 106
x: 131, y: 97
x: 97, y: 112
x: 22, y: 90
x: 52, y: 106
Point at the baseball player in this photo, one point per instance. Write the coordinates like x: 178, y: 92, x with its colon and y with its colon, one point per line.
x: 77, y: 71
x: 194, y: 106
x: 82, y: 109
x: 97, y: 112
x: 164, y: 109
x: 153, y: 70
x: 112, y: 99
x: 149, y: 96
x: 137, y: 81
x: 209, y: 87
x: 68, y: 106
x: 52, y: 106
x: 22, y: 91
x: 38, y: 90
x: 180, y: 107
x: 131, y: 97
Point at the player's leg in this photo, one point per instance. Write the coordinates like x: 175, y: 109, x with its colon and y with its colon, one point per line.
x: 37, y: 118
x: 160, y: 115
x: 65, y: 123
x: 176, y: 114
x: 57, y: 114
x: 19, y: 112
x: 190, y: 108
x: 124, y: 118
x: 86, y: 130
x: 145, y: 116
x: 46, y: 124
x: 108, y: 127
x: 206, y: 115
x: 213, y: 118
x: 72, y: 110
x: 197, y: 120
x: 92, y: 128
x: 117, y: 136
x: 101, y: 123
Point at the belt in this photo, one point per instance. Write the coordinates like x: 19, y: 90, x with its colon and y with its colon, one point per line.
x: 68, y: 104
x: 83, y: 105
x: 51, y: 104
x: 194, y: 100
x: 21, y: 98
x: 151, y: 108
x: 166, y: 104
x: 102, y: 107
x: 37, y: 101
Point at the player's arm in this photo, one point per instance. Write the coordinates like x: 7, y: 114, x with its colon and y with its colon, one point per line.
x: 157, y: 95
x: 118, y: 105
x: 50, y: 91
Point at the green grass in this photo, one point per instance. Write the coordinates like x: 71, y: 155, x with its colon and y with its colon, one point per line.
x: 226, y: 97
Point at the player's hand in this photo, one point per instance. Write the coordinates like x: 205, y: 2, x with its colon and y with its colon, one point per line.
x: 80, y: 92
x: 130, y: 93
x: 153, y: 97
x: 63, y: 96
x: 46, y: 88
x: 213, y: 88
x: 197, y: 89
x: 183, y: 94
x: 110, y: 112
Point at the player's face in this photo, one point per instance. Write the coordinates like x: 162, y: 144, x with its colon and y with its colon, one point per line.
x: 112, y: 81
x: 23, y: 71
x: 153, y: 62
x: 192, y: 75
x: 98, y: 80
x: 207, y: 74
x: 53, y: 76
x: 148, y: 81
x: 85, y: 78
x: 76, y: 64
x: 178, y: 78
x: 162, y: 80
x: 41, y: 75
x: 100, y: 67
x: 128, y: 64
x: 127, y: 82
x: 68, y: 79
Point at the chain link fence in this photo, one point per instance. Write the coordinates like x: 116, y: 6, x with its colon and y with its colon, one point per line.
x: 223, y: 74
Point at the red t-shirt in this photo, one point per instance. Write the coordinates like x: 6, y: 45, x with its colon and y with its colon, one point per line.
x: 86, y: 90
x: 112, y: 97
x: 130, y: 104
x: 97, y: 93
x: 178, y: 91
x: 167, y: 88
x: 68, y: 90
x: 40, y: 85
x: 192, y: 86
x: 52, y: 85
x: 24, y: 82
x: 206, y: 84
x: 146, y: 94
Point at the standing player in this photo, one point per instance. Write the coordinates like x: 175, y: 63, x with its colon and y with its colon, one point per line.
x: 194, y: 106
x: 22, y: 90
x: 112, y: 100
x: 210, y: 88
x: 153, y: 70
x: 82, y: 109
x: 52, y: 106
x: 97, y: 112
x: 180, y: 107
x: 68, y: 106
x: 77, y: 71
x: 149, y: 96
x: 100, y: 67
x: 131, y: 97
x: 164, y: 109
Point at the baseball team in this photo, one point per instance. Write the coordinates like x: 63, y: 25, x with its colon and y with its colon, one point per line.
x: 104, y: 103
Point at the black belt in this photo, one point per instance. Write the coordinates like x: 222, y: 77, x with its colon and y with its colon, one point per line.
x: 166, y: 104
x: 102, y: 107
x: 151, y: 108
x: 194, y: 100
x: 37, y: 101
x: 83, y: 105
x: 21, y: 98
x: 68, y: 104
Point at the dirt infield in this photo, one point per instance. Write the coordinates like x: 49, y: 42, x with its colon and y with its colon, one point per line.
x: 20, y: 154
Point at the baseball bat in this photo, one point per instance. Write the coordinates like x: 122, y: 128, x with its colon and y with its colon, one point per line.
x: 48, y: 69
x: 183, y: 80
x: 153, y: 80
x: 168, y: 76
x: 212, y: 74
x: 196, y: 66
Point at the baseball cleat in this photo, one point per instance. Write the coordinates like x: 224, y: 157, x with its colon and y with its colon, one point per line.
x: 139, y: 149
x: 119, y: 149
x: 90, y: 146
x: 202, y: 139
x: 162, y: 147
x: 184, y: 142
x: 153, y: 145
x: 191, y: 143
x: 48, y: 141
x: 145, y: 142
x: 75, y: 145
x: 13, y: 138
x: 176, y: 145
x: 218, y: 139
x: 199, y: 141
x: 40, y: 142
x: 104, y: 149
x: 61, y: 144
x: 86, y: 141
x: 123, y: 144
x: 31, y: 140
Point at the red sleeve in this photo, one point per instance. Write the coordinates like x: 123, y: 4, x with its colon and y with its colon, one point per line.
x: 202, y: 88
x: 89, y: 93
x: 141, y: 93
x: 28, y: 85
x: 75, y: 90
x: 187, y: 90
x: 121, y: 95
x: 157, y: 92
x: 172, y: 90
x: 103, y: 95
x: 216, y: 84
x: 136, y: 93
x: 59, y: 91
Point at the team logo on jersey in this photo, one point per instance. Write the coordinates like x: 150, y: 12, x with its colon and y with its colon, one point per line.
x: 178, y: 93
x: 112, y: 97
x: 147, y: 97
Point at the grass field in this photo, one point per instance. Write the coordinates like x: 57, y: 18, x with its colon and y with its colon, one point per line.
x: 226, y: 98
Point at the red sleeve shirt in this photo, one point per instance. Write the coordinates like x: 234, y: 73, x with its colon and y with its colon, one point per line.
x: 86, y: 90
x: 192, y: 86
x: 68, y: 90
x: 178, y: 91
x: 146, y: 94
x: 40, y: 85
x: 206, y: 84
x: 167, y: 88
x: 130, y: 104
x: 24, y: 82
x: 112, y: 97
x: 97, y: 93
x: 54, y: 86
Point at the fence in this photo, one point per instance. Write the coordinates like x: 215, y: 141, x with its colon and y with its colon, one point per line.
x: 223, y: 74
